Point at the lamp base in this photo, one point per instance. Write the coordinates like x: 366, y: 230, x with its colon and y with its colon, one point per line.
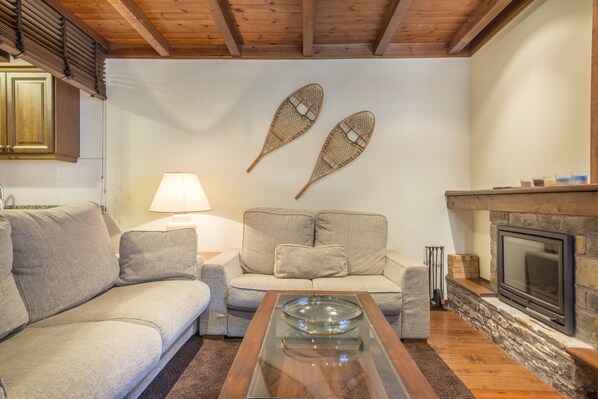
x: 180, y: 221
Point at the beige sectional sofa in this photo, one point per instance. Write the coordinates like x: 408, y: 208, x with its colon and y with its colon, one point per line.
x: 238, y: 280
x: 66, y: 330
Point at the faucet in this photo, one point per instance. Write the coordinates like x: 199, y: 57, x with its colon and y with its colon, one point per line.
x: 1, y: 197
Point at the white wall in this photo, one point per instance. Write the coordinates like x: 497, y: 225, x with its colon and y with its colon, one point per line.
x: 530, y: 112
x: 53, y: 182
x: 211, y: 117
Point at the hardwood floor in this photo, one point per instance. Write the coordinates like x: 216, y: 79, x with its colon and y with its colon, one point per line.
x: 487, y: 370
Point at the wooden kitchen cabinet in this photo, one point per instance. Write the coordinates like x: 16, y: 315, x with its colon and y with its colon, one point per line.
x: 39, y: 118
x: 30, y: 122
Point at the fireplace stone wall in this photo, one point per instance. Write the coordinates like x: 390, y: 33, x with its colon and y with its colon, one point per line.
x: 585, y: 230
x: 540, y: 348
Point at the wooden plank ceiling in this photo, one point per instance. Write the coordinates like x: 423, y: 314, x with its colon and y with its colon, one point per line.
x: 291, y: 29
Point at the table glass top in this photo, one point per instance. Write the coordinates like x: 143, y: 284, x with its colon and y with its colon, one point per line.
x: 292, y: 364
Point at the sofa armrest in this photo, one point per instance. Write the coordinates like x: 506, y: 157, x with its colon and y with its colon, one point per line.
x: 217, y: 274
x: 198, y: 266
x: 412, y: 277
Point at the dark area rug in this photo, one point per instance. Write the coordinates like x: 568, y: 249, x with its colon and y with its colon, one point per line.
x: 199, y: 369
x: 439, y: 375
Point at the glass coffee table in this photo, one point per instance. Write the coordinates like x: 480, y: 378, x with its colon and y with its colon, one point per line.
x: 278, y: 361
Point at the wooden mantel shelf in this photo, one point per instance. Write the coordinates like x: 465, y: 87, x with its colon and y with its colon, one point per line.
x: 577, y: 200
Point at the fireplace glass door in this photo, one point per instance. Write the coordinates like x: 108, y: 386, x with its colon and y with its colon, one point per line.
x: 533, y: 267
x: 535, y: 274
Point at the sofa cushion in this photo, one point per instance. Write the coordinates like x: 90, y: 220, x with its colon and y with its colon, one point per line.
x: 385, y: 293
x: 300, y: 261
x: 247, y: 290
x: 265, y: 228
x: 62, y: 257
x: 12, y: 309
x: 363, y: 235
x: 167, y: 306
x: 82, y: 360
x: 157, y: 255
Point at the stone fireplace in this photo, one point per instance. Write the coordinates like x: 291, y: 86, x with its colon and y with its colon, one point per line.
x: 536, y: 345
x: 585, y: 230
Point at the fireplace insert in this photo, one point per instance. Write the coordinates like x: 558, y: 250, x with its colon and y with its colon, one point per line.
x: 535, y: 274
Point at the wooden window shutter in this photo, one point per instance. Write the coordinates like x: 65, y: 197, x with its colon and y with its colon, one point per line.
x: 42, y: 36
x: 8, y: 23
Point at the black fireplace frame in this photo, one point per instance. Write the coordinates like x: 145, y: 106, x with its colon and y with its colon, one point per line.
x: 560, y: 317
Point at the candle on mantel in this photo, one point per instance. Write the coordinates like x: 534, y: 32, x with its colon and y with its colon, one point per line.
x: 579, y: 178
x: 563, y: 179
x: 538, y: 181
x: 549, y: 181
x: 525, y: 182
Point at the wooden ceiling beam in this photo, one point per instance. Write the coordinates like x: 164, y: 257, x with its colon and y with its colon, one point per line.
x: 394, y: 50
x: 178, y: 52
x: 224, y: 25
x: 137, y: 19
x: 309, y: 18
x: 393, y: 21
x: 476, y: 23
x: 78, y: 22
x: 286, y: 52
x: 507, y: 15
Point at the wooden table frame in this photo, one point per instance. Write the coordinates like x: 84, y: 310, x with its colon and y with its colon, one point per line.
x: 239, y: 376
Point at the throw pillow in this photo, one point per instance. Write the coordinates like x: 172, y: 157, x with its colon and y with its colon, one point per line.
x: 299, y: 261
x: 62, y: 257
x: 264, y: 228
x: 364, y: 235
x: 157, y: 255
x: 13, y: 313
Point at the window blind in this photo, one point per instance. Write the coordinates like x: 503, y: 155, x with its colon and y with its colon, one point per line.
x: 33, y: 30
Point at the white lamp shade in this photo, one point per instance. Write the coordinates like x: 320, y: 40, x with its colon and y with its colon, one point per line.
x: 180, y: 193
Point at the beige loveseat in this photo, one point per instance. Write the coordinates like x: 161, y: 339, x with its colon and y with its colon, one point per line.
x: 66, y: 330
x: 238, y: 280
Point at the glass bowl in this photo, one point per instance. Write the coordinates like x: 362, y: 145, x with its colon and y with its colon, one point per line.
x: 322, y: 315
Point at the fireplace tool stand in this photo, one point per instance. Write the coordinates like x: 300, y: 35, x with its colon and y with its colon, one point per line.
x: 435, y: 262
